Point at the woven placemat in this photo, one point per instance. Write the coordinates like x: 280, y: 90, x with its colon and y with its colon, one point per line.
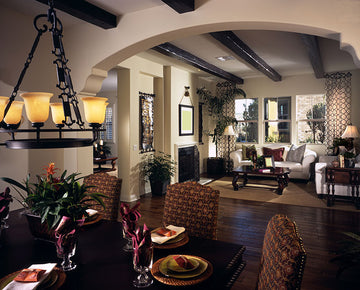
x: 177, y: 244
x: 98, y: 217
x: 155, y: 271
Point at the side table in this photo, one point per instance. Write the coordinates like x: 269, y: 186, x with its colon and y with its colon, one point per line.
x: 345, y: 176
x: 99, y: 161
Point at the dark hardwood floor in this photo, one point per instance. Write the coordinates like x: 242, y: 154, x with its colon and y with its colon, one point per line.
x: 244, y: 222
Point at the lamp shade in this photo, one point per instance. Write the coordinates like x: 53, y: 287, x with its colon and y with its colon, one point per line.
x: 37, y: 106
x: 94, y: 108
x: 3, y: 102
x: 351, y: 132
x: 57, y: 113
x: 229, y: 131
x: 14, y: 114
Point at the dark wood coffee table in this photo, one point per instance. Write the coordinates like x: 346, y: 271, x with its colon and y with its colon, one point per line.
x: 281, y: 174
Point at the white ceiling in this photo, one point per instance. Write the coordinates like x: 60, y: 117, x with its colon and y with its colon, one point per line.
x: 283, y: 51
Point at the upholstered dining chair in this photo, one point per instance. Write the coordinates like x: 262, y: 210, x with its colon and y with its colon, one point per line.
x: 283, y: 256
x: 193, y: 206
x: 110, y: 186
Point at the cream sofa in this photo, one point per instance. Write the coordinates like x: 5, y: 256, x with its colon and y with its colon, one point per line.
x: 320, y: 183
x: 298, y: 170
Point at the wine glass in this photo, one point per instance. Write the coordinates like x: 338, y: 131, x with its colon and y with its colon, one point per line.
x: 128, y: 246
x: 65, y: 249
x: 143, y: 260
x: 3, y: 224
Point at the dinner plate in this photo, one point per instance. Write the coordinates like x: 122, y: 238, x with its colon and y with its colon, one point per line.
x: 174, y: 266
x: 155, y: 271
x: 53, y: 281
x: 169, y: 272
x: 178, y: 241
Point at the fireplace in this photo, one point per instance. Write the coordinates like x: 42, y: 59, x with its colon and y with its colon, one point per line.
x: 188, y: 161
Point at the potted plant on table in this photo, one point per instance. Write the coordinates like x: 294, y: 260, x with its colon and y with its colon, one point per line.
x: 159, y: 168
x: 51, y: 198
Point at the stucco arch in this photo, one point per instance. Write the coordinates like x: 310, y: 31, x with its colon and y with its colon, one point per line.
x: 99, y: 71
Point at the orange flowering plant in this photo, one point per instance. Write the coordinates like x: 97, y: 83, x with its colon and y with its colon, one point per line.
x: 54, y: 197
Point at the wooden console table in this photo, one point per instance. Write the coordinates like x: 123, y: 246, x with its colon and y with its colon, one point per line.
x: 99, y: 162
x: 344, y: 176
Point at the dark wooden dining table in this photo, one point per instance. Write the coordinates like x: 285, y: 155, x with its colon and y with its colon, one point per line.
x: 102, y: 263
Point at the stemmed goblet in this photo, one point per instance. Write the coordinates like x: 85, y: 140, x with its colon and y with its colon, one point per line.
x: 143, y: 260
x: 65, y: 249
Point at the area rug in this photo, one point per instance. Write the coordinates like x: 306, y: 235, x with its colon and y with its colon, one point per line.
x: 296, y: 193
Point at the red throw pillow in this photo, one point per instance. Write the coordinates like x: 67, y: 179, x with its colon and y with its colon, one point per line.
x: 277, y: 153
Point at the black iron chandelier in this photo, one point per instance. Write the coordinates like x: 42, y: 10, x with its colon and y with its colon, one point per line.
x: 37, y: 104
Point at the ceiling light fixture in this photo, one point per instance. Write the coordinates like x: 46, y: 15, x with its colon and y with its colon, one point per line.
x: 225, y: 58
x: 37, y: 103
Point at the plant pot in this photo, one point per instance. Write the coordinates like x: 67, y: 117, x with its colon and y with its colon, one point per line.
x: 159, y: 187
x: 215, y: 166
x: 40, y: 230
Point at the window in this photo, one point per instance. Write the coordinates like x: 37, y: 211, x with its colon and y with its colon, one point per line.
x: 277, y: 118
x: 246, y: 112
x: 108, y: 125
x: 310, y: 116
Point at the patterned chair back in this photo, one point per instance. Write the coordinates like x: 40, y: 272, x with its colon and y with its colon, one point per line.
x: 283, y: 256
x: 109, y: 186
x: 193, y: 206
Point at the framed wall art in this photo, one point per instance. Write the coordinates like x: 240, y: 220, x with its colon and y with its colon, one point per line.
x: 186, y: 120
x: 147, y: 122
x: 269, y: 161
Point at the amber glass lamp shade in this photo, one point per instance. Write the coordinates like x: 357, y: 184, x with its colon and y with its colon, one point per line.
x: 13, y: 116
x: 3, y: 102
x: 94, y: 108
x: 57, y: 113
x: 37, y: 107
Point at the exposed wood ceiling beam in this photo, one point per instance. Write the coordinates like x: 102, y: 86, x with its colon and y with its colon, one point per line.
x: 85, y: 11
x: 235, y: 44
x: 312, y: 46
x: 181, y: 6
x: 180, y: 54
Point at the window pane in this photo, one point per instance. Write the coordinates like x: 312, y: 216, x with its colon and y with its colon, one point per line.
x: 310, y: 114
x: 277, y: 108
x: 247, y: 132
x: 311, y: 132
x: 108, y: 125
x: 310, y: 107
x: 277, y: 132
x: 246, y: 109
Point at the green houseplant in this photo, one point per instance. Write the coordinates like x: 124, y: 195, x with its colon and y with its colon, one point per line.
x: 52, y: 197
x: 159, y: 168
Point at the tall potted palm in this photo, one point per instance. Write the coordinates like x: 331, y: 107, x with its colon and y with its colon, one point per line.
x: 159, y: 168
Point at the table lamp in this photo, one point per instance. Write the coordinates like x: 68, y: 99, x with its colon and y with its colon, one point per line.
x: 350, y: 133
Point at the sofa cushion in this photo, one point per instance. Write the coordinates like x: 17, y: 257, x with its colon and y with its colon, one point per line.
x: 293, y: 166
x: 277, y: 153
x: 296, y: 154
x: 247, y: 151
